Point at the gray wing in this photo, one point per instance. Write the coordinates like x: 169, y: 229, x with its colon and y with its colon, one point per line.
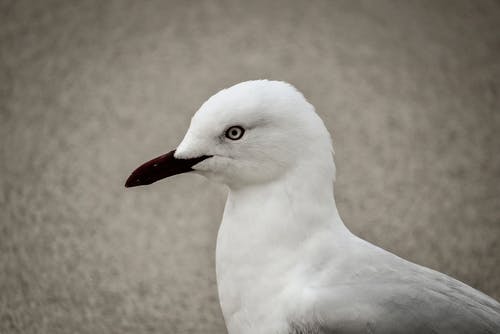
x: 424, y: 302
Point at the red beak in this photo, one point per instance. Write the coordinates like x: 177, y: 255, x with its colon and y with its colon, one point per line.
x: 161, y: 167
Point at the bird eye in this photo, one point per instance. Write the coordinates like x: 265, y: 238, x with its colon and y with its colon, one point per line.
x: 234, y: 132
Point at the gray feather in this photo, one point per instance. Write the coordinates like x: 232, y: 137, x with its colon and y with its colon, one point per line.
x: 420, y: 301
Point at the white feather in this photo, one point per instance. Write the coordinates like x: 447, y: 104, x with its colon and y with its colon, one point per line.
x: 284, y: 257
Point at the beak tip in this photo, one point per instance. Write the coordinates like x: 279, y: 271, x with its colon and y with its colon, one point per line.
x: 132, y: 181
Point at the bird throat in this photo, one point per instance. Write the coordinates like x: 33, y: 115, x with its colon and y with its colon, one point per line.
x: 263, y: 243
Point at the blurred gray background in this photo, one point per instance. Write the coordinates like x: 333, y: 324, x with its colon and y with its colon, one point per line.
x: 90, y: 89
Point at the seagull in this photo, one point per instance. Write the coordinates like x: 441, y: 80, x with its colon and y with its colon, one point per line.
x: 285, y: 261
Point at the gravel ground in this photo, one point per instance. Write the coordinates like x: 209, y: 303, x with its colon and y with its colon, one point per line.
x: 89, y: 89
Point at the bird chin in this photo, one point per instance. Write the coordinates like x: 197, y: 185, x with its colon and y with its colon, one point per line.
x: 234, y: 173
x: 211, y: 175
x: 213, y: 168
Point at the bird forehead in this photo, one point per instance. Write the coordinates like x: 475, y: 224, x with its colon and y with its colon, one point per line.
x: 250, y: 104
x: 212, y: 123
x: 218, y: 117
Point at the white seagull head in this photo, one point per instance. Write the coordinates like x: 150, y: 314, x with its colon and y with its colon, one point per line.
x: 253, y: 132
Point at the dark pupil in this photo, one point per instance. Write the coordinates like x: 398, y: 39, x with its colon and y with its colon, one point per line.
x: 234, y: 132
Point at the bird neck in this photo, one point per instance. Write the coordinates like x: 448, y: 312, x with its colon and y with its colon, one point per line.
x: 268, y: 233
x: 287, y: 210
